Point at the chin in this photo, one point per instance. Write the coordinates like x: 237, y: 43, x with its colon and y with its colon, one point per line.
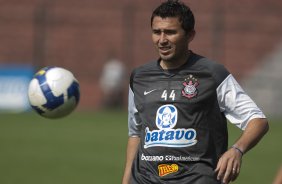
x: 167, y: 58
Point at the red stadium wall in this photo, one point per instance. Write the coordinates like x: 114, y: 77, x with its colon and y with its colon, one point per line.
x: 81, y: 35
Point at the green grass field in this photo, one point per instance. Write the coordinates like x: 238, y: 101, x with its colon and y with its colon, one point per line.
x: 90, y: 148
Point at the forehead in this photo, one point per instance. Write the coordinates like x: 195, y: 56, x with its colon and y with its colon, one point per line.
x: 166, y: 23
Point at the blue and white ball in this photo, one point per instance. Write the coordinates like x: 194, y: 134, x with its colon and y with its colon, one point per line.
x: 53, y: 92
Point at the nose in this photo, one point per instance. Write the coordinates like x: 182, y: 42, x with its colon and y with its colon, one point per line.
x: 163, y: 38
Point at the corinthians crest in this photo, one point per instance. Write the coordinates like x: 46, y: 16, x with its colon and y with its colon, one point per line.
x: 190, y: 87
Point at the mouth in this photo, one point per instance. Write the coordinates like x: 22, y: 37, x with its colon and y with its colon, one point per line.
x: 165, y: 49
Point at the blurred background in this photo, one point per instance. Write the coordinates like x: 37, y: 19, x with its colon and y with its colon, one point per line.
x: 91, y: 38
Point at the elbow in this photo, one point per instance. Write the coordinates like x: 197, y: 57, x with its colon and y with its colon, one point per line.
x: 266, y: 129
x: 264, y: 126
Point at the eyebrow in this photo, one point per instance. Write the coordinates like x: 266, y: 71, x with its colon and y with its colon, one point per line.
x: 165, y: 30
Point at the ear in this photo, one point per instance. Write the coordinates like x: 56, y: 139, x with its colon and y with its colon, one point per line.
x: 191, y: 35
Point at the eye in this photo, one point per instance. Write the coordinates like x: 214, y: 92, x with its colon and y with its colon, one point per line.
x: 170, y: 32
x: 157, y: 32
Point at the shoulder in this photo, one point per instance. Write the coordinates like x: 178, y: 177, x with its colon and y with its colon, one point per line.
x: 217, y: 70
x: 153, y: 65
x: 144, y: 69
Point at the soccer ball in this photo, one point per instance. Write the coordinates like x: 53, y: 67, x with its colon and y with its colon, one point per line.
x: 53, y: 92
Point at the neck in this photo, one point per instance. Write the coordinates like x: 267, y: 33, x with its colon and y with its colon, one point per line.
x: 174, y: 64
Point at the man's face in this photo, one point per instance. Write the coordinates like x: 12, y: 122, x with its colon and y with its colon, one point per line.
x: 170, y: 39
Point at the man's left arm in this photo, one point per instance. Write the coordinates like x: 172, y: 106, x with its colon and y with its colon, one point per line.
x: 228, y: 167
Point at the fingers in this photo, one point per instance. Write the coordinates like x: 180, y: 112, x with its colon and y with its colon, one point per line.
x: 228, y: 167
x: 220, y: 169
x: 228, y: 173
x: 224, y: 170
x: 218, y: 166
x: 235, y: 171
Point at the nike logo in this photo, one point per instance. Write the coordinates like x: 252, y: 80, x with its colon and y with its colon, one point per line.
x: 148, y: 92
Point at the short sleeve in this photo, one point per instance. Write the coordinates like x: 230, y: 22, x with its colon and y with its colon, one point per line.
x: 237, y: 106
x: 134, y: 125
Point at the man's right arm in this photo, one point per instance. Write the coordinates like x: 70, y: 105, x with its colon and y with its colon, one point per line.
x: 132, y: 147
x: 134, y: 127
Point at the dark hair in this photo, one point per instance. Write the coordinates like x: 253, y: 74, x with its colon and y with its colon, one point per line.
x: 174, y: 8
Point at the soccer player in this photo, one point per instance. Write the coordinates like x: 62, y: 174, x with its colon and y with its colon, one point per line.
x: 178, y: 111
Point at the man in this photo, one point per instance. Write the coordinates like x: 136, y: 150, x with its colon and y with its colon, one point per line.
x: 178, y: 107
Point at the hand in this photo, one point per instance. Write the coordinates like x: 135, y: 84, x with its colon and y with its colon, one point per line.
x: 228, y: 166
